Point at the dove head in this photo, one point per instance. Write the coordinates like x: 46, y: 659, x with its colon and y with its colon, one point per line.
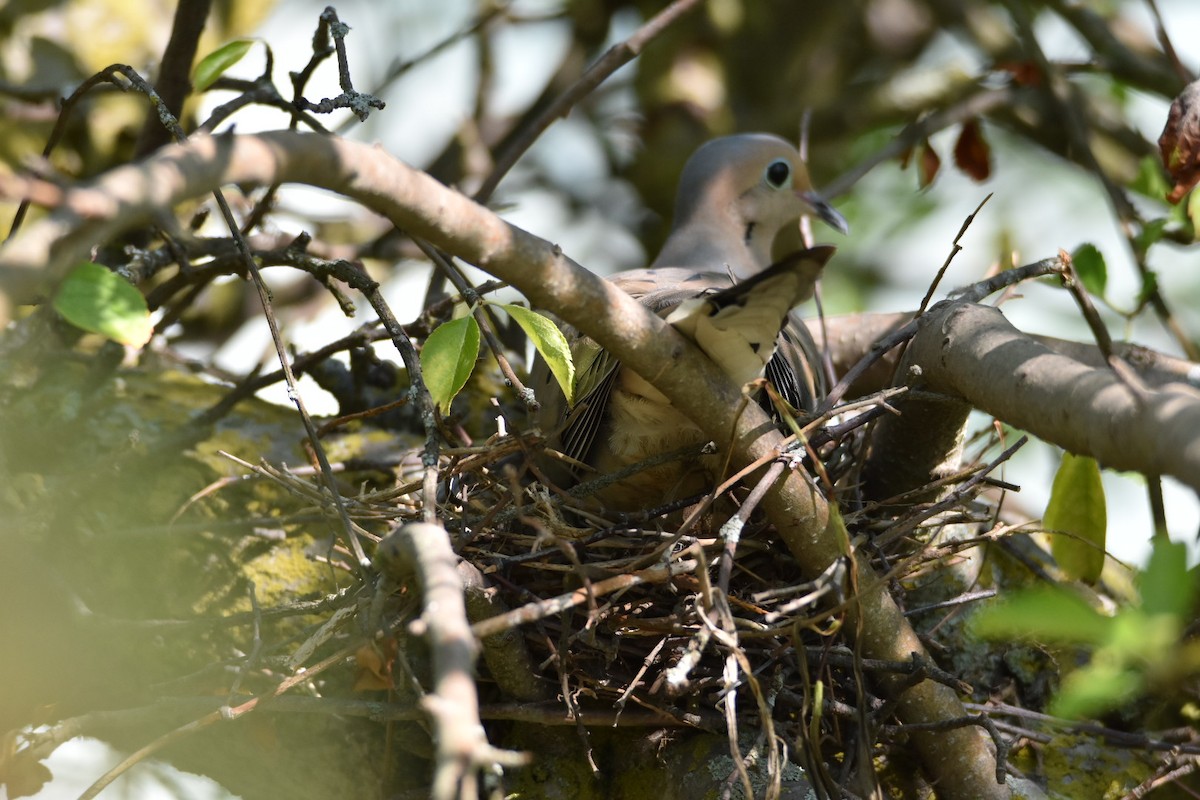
x: 735, y: 194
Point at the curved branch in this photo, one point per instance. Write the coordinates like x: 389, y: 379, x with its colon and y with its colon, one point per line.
x: 32, y: 262
x: 960, y: 761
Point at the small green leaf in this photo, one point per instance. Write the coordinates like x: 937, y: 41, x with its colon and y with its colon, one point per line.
x: 100, y: 301
x: 1150, y: 179
x: 1091, y: 269
x: 1077, y: 518
x: 550, y: 343
x: 1150, y: 234
x: 1166, y: 585
x: 214, y: 65
x: 1046, y: 613
x: 448, y: 358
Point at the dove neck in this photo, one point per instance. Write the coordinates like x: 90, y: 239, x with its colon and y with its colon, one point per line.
x: 716, y: 243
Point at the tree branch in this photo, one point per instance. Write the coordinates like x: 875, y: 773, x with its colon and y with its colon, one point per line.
x: 959, y: 761
x: 974, y: 353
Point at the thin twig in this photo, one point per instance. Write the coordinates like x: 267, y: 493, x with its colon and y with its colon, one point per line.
x: 731, y: 530
x: 955, y: 248
x: 554, y: 605
x: 953, y: 499
x: 66, y: 106
x: 358, y: 102
x: 397, y: 69
x: 617, y: 56
x: 1160, y: 30
x: 419, y: 393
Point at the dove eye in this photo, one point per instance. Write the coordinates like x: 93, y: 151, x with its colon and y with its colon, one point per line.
x: 778, y: 173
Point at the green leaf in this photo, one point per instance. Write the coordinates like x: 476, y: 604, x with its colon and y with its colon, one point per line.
x: 1096, y: 688
x: 1150, y: 179
x: 1090, y: 267
x: 550, y: 343
x: 214, y: 65
x: 1150, y: 233
x: 98, y: 300
x: 1077, y: 519
x: 448, y: 358
x: 1166, y: 585
x: 1193, y: 212
x: 1046, y: 613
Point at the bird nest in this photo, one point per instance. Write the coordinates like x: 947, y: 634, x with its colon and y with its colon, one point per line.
x: 694, y: 615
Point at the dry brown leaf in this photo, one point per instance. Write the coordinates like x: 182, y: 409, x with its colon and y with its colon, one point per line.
x: 1024, y: 73
x: 928, y: 165
x: 972, y: 154
x: 1180, y: 142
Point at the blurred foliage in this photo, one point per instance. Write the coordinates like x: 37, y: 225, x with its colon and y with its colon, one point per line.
x: 49, y: 47
x: 1139, y: 649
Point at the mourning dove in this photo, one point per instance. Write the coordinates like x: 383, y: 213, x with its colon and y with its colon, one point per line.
x: 714, y: 282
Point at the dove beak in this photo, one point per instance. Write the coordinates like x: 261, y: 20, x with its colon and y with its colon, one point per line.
x: 820, y: 207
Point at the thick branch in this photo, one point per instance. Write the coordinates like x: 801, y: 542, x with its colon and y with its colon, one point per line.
x: 1032, y: 382
x: 974, y: 353
x: 851, y: 337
